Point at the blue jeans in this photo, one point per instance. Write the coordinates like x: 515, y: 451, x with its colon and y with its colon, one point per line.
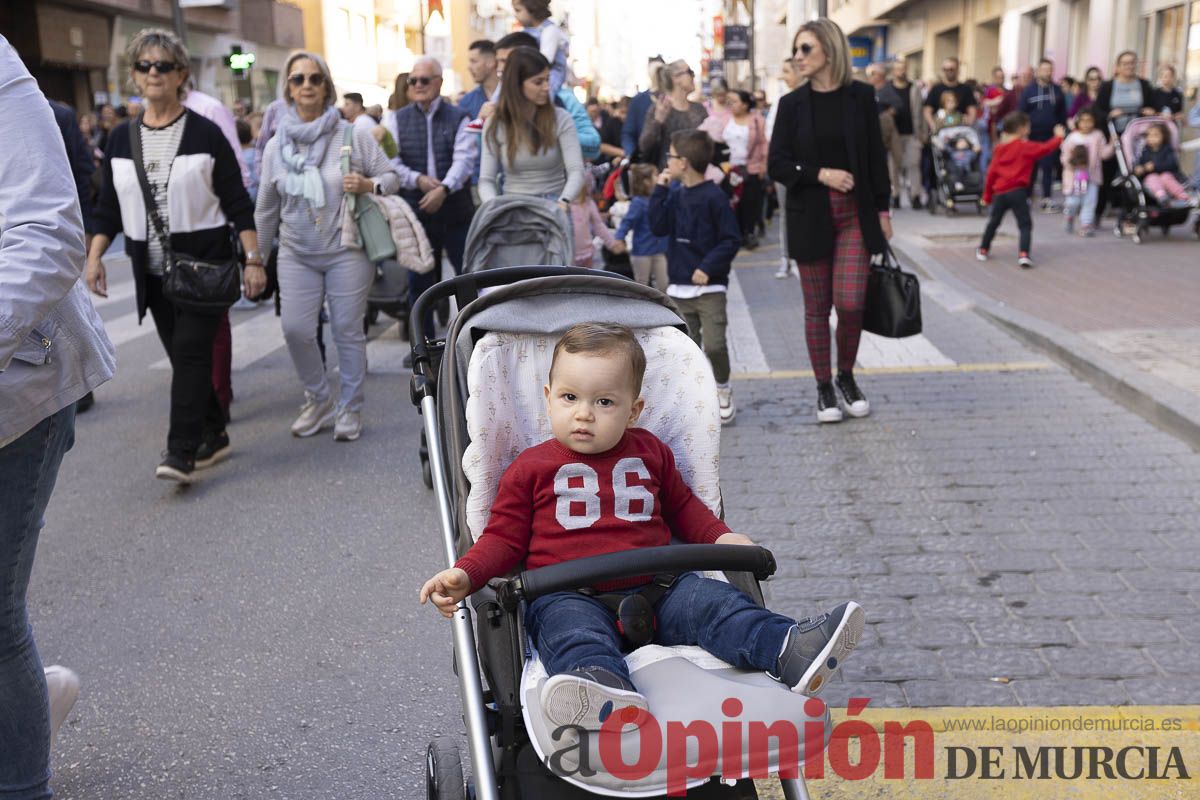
x: 572, y: 631
x: 28, y: 469
x: 1083, y: 205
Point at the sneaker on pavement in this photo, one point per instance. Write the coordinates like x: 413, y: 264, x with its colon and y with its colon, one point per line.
x: 213, y: 449
x: 981, y: 254
x: 828, y: 409
x: 1087, y: 231
x: 314, y: 417
x: 856, y: 403
x: 1024, y: 261
x: 175, y: 467
x: 816, y: 647
x: 725, y: 403
x: 62, y: 685
x: 586, y: 697
x: 785, y: 269
x: 348, y: 426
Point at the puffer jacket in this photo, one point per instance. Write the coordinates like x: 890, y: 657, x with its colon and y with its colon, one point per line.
x: 413, y: 250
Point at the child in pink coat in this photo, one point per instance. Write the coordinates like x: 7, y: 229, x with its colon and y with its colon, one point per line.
x: 588, y: 224
x: 1081, y: 186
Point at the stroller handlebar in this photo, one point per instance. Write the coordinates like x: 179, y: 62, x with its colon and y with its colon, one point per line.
x: 584, y: 572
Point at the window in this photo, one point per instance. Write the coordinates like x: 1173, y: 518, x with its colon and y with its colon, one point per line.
x: 360, y: 32
x: 1172, y: 35
x: 344, y: 22
x: 1191, y: 70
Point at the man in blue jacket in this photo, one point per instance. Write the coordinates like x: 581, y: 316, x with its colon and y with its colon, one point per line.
x: 639, y: 106
x: 1043, y: 101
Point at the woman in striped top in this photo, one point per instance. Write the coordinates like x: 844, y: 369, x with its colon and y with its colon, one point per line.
x: 300, y: 196
x: 197, y: 188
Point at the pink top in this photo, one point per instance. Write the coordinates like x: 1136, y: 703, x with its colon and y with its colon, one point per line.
x: 587, y: 222
x: 1098, y: 150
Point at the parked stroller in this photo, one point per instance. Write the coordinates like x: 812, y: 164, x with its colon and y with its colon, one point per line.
x: 480, y: 394
x: 958, y: 179
x: 513, y: 229
x: 1140, y: 210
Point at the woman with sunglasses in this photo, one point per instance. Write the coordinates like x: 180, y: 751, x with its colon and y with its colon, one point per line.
x: 300, y: 197
x: 197, y: 190
x: 1089, y: 92
x: 671, y: 112
x: 827, y: 149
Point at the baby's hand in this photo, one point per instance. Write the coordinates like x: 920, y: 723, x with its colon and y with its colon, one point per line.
x: 447, y: 589
x: 733, y: 538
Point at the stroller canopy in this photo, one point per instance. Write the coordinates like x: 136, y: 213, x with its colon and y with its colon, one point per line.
x: 517, y: 230
x: 947, y: 135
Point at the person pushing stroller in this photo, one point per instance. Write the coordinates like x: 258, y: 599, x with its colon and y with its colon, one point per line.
x: 602, y: 485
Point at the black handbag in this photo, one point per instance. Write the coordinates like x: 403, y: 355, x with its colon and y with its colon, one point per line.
x: 893, y: 304
x: 195, y: 284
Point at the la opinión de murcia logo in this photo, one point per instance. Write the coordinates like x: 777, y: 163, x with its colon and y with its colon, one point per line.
x: 724, y: 755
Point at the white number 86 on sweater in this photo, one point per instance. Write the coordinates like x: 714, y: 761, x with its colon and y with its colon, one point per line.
x: 588, y: 495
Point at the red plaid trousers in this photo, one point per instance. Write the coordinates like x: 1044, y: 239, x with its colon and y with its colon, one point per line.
x: 839, y: 281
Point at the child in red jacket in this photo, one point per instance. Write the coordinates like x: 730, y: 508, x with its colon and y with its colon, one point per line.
x: 1007, y: 183
x: 603, y: 485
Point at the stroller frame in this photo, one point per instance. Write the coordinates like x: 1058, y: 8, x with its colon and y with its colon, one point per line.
x: 444, y: 770
x: 1136, y: 212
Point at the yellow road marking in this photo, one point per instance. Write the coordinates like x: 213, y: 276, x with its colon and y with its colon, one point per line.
x: 1001, y: 366
x: 1174, y: 729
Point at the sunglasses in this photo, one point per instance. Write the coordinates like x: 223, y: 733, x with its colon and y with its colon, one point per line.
x: 314, y: 79
x: 163, y: 67
x: 422, y: 80
x: 673, y: 155
x: 804, y: 50
x: 684, y: 72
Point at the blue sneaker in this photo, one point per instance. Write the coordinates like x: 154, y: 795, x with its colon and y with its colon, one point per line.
x: 817, y: 646
x: 587, y: 697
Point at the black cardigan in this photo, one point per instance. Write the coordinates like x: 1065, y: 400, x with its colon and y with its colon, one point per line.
x: 1103, y: 104
x: 204, y: 159
x: 792, y: 161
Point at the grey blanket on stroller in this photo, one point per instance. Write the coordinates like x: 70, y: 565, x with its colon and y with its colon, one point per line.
x: 518, y: 230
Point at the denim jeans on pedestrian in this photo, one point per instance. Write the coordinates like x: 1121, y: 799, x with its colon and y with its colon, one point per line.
x: 573, y: 631
x: 1083, y: 205
x: 28, y: 469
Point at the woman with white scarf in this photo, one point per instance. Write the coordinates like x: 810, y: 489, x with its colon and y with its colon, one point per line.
x: 300, y: 195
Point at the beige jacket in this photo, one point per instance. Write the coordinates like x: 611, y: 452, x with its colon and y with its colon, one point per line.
x: 413, y: 250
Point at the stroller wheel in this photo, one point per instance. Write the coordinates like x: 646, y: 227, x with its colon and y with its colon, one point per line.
x: 443, y: 772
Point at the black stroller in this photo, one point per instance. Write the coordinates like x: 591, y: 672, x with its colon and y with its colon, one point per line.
x: 479, y: 393
x: 1140, y: 210
x: 955, y: 186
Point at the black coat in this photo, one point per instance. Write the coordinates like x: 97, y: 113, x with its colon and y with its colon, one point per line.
x: 793, y: 161
x: 1103, y: 104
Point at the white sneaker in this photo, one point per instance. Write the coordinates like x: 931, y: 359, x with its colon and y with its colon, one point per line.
x: 314, y: 417
x: 725, y: 402
x: 348, y: 426
x: 62, y: 685
x: 785, y: 269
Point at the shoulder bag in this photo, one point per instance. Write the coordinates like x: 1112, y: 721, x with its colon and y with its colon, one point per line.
x: 206, y: 287
x: 893, y: 303
x: 373, y: 227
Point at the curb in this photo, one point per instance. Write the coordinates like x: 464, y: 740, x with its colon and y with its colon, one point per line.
x: 1164, y: 405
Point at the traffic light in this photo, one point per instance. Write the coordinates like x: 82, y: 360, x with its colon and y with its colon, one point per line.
x: 238, y: 62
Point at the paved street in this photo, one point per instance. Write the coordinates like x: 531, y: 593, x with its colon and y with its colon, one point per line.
x: 1016, y: 538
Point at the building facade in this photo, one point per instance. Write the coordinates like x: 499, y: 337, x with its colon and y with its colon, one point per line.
x: 76, y: 48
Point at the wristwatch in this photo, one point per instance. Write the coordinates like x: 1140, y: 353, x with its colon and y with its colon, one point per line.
x: 253, y: 256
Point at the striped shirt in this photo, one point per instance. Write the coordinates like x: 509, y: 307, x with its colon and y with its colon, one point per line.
x: 159, y: 146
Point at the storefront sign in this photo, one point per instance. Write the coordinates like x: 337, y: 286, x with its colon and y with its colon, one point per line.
x: 737, y: 43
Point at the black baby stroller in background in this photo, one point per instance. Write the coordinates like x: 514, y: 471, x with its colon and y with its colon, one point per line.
x: 1140, y: 210
x: 479, y: 394
x: 954, y: 187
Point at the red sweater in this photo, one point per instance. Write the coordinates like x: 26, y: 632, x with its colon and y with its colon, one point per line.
x: 1012, y: 165
x: 556, y: 505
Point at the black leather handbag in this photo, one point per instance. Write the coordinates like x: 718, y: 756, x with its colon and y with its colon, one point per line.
x: 893, y: 304
x: 195, y: 284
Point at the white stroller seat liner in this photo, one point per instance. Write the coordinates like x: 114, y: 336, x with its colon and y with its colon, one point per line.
x: 506, y: 410
x: 683, y: 685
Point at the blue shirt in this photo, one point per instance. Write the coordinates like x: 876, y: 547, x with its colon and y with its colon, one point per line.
x: 471, y: 103
x: 637, y: 219
x: 631, y: 131
x: 702, y: 229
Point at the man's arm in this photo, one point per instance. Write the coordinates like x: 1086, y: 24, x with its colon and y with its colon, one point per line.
x: 41, y: 230
x: 465, y: 155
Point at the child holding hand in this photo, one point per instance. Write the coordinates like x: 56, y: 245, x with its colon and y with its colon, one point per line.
x: 603, y: 485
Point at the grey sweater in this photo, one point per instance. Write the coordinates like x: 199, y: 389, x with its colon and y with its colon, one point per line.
x: 317, y: 231
x: 557, y: 171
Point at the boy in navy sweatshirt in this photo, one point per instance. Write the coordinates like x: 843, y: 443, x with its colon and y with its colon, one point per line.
x: 703, y: 239
x: 1007, y: 185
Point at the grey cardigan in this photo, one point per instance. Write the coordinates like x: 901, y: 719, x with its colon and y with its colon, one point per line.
x: 557, y: 171
x: 53, y: 348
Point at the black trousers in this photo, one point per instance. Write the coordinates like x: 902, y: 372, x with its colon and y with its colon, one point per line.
x: 188, y: 339
x: 1108, y: 171
x: 1016, y: 201
x: 448, y: 236
x: 750, y: 206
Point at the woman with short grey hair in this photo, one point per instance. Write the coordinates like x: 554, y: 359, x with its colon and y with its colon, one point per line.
x: 300, y: 197
x: 196, y: 187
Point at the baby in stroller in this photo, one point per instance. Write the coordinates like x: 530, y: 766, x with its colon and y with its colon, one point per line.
x: 603, y: 485
x: 963, y: 157
x: 1158, y: 167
